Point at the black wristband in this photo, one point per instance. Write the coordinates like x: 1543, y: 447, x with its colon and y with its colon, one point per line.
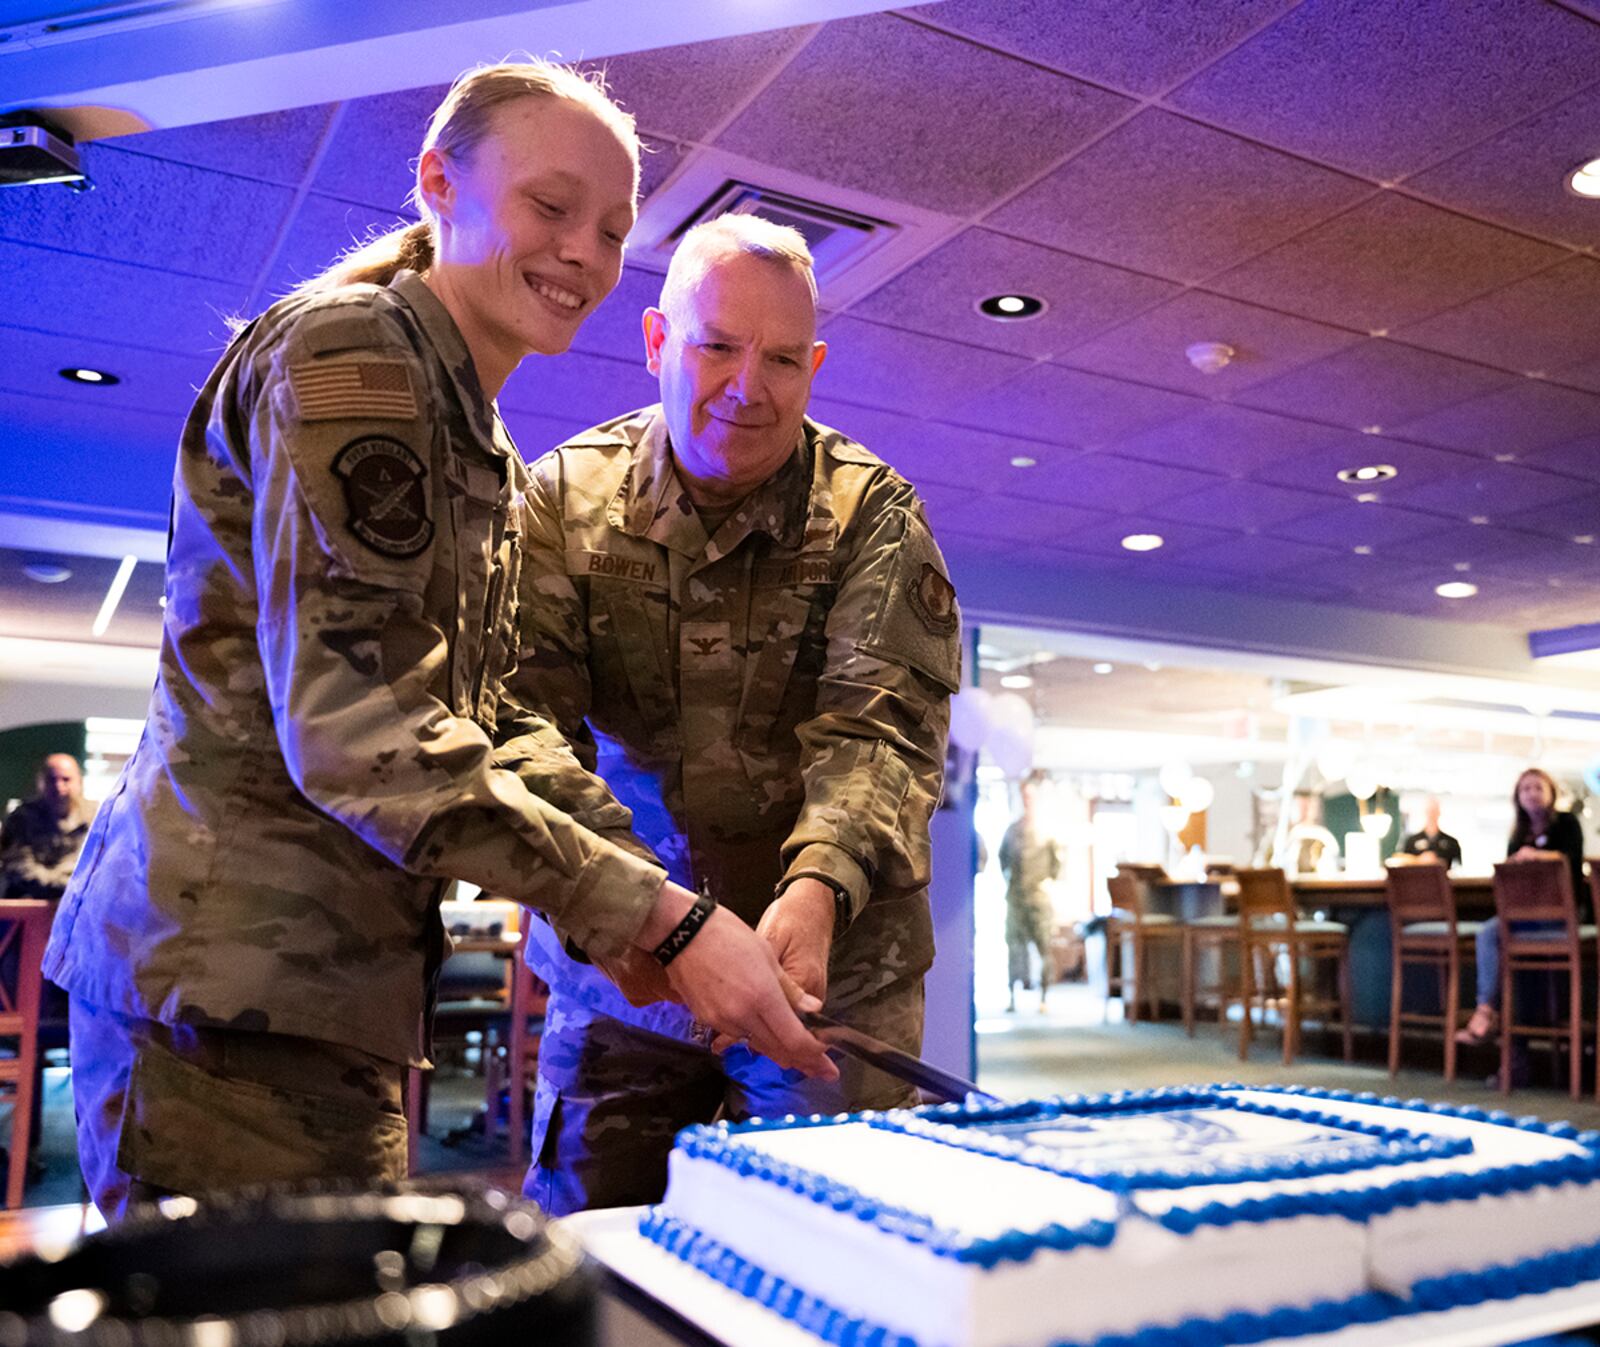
x: 687, y: 929
x: 841, y: 899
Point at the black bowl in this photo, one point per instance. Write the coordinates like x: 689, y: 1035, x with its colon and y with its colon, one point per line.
x: 309, y: 1270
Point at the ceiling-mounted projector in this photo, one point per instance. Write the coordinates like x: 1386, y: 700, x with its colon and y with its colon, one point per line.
x: 31, y: 152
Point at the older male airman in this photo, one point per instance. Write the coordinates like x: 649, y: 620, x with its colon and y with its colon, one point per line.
x: 739, y: 619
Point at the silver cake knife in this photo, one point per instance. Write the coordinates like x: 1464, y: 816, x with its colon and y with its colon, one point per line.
x: 942, y: 1084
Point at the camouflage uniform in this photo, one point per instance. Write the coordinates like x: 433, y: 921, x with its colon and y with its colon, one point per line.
x: 1028, y: 859
x: 770, y: 702
x: 320, y: 751
x: 38, y: 850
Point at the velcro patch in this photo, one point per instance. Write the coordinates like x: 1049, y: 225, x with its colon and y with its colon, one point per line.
x: 343, y: 390
x: 385, y: 487
x: 933, y: 600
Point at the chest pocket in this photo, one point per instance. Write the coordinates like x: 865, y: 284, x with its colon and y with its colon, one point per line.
x: 483, y: 550
x: 630, y: 663
x: 779, y: 691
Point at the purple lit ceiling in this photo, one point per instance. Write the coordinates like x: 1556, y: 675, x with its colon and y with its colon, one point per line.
x: 1365, y: 200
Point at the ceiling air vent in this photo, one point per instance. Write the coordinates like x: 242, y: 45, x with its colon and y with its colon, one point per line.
x: 858, y: 240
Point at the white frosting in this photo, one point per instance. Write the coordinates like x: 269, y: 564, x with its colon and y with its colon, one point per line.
x: 1147, y: 1275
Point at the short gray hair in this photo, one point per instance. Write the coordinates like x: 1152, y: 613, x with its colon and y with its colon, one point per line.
x: 732, y: 235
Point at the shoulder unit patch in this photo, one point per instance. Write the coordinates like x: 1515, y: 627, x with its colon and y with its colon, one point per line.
x: 385, y: 487
x: 933, y: 599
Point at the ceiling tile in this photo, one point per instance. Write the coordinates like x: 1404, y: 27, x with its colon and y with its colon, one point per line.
x: 1517, y: 178
x: 536, y: 435
x: 84, y: 296
x: 1574, y: 515
x: 951, y: 145
x: 1068, y: 407
x: 1526, y: 416
x: 1105, y: 539
x: 1245, y: 505
x: 937, y: 295
x: 322, y: 229
x: 905, y: 371
x: 1007, y: 519
x: 129, y: 216
x: 40, y: 445
x: 686, y: 90
x: 1263, y: 555
x: 1374, y: 525
x: 274, y: 147
x: 930, y: 451
x: 1578, y: 458
x: 151, y: 381
x: 1107, y: 482
x: 1151, y: 348
x: 1139, y: 45
x: 1389, y: 261
x: 1487, y: 550
x: 1374, y: 383
x: 1321, y: 80
x: 1485, y: 490
x: 658, y: 161
x: 372, y: 153
x: 1165, y: 195
x: 1231, y: 440
x: 1318, y: 469
x: 586, y: 389
x: 1544, y: 322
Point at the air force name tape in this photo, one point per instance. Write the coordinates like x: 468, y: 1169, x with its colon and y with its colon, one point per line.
x: 385, y: 486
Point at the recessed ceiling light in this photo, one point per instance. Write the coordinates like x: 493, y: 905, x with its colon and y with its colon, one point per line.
x: 1585, y: 180
x: 1585, y: 538
x: 1463, y: 566
x: 1362, y: 550
x: 1455, y: 589
x: 1505, y: 458
x: 1011, y: 308
x: 46, y: 574
x: 1367, y: 498
x: 1016, y: 681
x: 80, y: 374
x: 1373, y: 472
x: 1479, y: 519
x: 1143, y: 542
x: 1372, y: 430
x: 1023, y: 461
x: 1102, y: 668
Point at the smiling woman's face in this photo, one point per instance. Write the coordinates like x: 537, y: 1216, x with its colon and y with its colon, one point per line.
x: 532, y: 228
x: 735, y: 363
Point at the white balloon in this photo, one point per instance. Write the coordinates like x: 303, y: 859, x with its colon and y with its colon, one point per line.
x: 1361, y: 781
x: 1011, y: 711
x: 1174, y: 776
x: 1334, y: 760
x: 970, y: 721
x: 1197, y: 794
x: 1174, y: 818
x: 1011, y: 751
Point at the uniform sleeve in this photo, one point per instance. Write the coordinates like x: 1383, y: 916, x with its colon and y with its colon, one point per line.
x: 345, y: 461
x: 544, y: 736
x: 872, y: 758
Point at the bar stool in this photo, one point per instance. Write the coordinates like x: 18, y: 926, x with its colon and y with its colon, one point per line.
x: 1423, y: 929
x: 24, y: 932
x: 1540, y: 891
x: 1129, y: 922
x: 1216, y: 934
x: 1268, y: 925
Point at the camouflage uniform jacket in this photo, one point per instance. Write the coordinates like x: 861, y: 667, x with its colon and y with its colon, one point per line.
x: 769, y: 702
x: 38, y: 850
x: 320, y: 752
x: 1028, y: 859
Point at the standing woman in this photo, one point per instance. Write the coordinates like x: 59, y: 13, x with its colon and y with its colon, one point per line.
x: 252, y: 936
x: 1542, y: 832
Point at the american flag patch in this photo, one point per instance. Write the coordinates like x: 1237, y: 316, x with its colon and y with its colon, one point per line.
x: 339, y: 390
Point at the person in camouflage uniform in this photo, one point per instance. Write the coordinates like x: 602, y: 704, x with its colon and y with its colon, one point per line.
x: 739, y: 619
x: 252, y: 937
x: 41, y: 838
x: 1028, y: 859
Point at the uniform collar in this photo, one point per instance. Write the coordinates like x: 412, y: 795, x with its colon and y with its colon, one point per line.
x: 451, y: 348
x: 653, y: 503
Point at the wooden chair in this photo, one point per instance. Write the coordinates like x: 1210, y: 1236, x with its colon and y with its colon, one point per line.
x: 529, y: 997
x: 1268, y: 926
x: 1423, y: 929
x: 1540, y: 891
x: 1130, y: 924
x: 24, y: 931
x: 1216, y: 934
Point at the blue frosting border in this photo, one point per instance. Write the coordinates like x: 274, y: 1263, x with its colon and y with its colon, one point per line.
x: 1529, y: 1276
x: 713, y: 1142
x: 1394, y: 1145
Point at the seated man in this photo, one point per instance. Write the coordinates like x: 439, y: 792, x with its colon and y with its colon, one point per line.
x: 41, y: 838
x: 738, y: 617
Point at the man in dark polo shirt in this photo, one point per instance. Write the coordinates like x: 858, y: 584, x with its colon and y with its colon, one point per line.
x: 1430, y: 841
